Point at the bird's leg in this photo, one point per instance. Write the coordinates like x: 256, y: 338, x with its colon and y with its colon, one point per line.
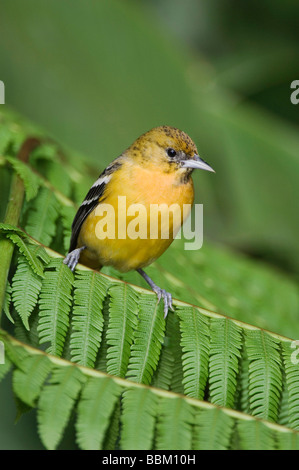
x: 72, y: 258
x: 167, y: 299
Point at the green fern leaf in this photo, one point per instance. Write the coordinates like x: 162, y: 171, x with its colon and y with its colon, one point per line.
x: 55, y: 305
x: 122, y: 323
x: 195, y: 345
x: 56, y: 403
x: 138, y: 419
x: 28, y: 382
x: 174, y: 427
x: 96, y: 405
x: 111, y: 440
x: 265, y: 377
x: 101, y: 361
x: 87, y: 320
x: 212, y: 430
x: 163, y: 375
x: 148, y: 337
x: 42, y: 216
x: 26, y: 286
x: 226, y: 343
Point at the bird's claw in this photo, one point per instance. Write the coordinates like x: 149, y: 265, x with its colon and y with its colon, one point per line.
x: 167, y: 299
x: 72, y: 258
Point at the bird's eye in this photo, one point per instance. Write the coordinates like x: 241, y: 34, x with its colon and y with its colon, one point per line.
x: 171, y: 153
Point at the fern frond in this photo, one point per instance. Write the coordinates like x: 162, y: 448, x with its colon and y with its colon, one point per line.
x: 122, y: 323
x: 181, y: 422
x: 42, y: 216
x: 148, y: 338
x: 87, y: 320
x: 195, y: 346
x: 55, y: 305
x: 139, y: 408
x: 212, y: 429
x: 56, y: 402
x: 174, y: 427
x: 265, y: 377
x: 26, y: 286
x: 226, y: 343
x: 96, y: 405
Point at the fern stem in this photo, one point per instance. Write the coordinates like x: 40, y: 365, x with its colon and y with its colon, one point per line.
x: 13, y: 211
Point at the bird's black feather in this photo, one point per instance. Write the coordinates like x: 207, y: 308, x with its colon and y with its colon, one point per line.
x: 90, y: 202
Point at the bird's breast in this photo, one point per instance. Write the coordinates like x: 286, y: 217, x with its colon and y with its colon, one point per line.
x: 148, y: 208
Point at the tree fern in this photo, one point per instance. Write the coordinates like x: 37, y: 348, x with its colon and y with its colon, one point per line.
x: 122, y: 323
x: 174, y: 422
x: 55, y: 305
x: 87, y: 320
x: 195, y: 346
x: 147, y: 341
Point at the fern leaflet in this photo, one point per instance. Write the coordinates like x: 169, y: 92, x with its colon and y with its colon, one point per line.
x: 122, y: 323
x: 195, y: 346
x: 148, y: 337
x: 96, y: 405
x: 226, y: 342
x: 138, y: 419
x: 87, y: 320
x: 56, y: 402
x: 55, y: 305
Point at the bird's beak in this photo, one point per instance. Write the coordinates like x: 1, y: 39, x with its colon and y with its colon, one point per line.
x: 197, y: 163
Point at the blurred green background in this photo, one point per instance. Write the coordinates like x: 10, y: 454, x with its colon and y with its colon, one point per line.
x: 97, y: 74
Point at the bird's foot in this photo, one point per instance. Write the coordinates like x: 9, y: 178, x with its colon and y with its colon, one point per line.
x: 167, y: 299
x: 161, y: 293
x: 72, y: 258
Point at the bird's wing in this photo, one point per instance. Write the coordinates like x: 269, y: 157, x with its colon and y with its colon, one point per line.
x: 91, y: 200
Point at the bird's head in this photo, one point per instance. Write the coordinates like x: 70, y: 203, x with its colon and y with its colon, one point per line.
x: 168, y: 149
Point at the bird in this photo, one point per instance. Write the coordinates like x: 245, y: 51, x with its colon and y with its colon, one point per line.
x: 156, y: 170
